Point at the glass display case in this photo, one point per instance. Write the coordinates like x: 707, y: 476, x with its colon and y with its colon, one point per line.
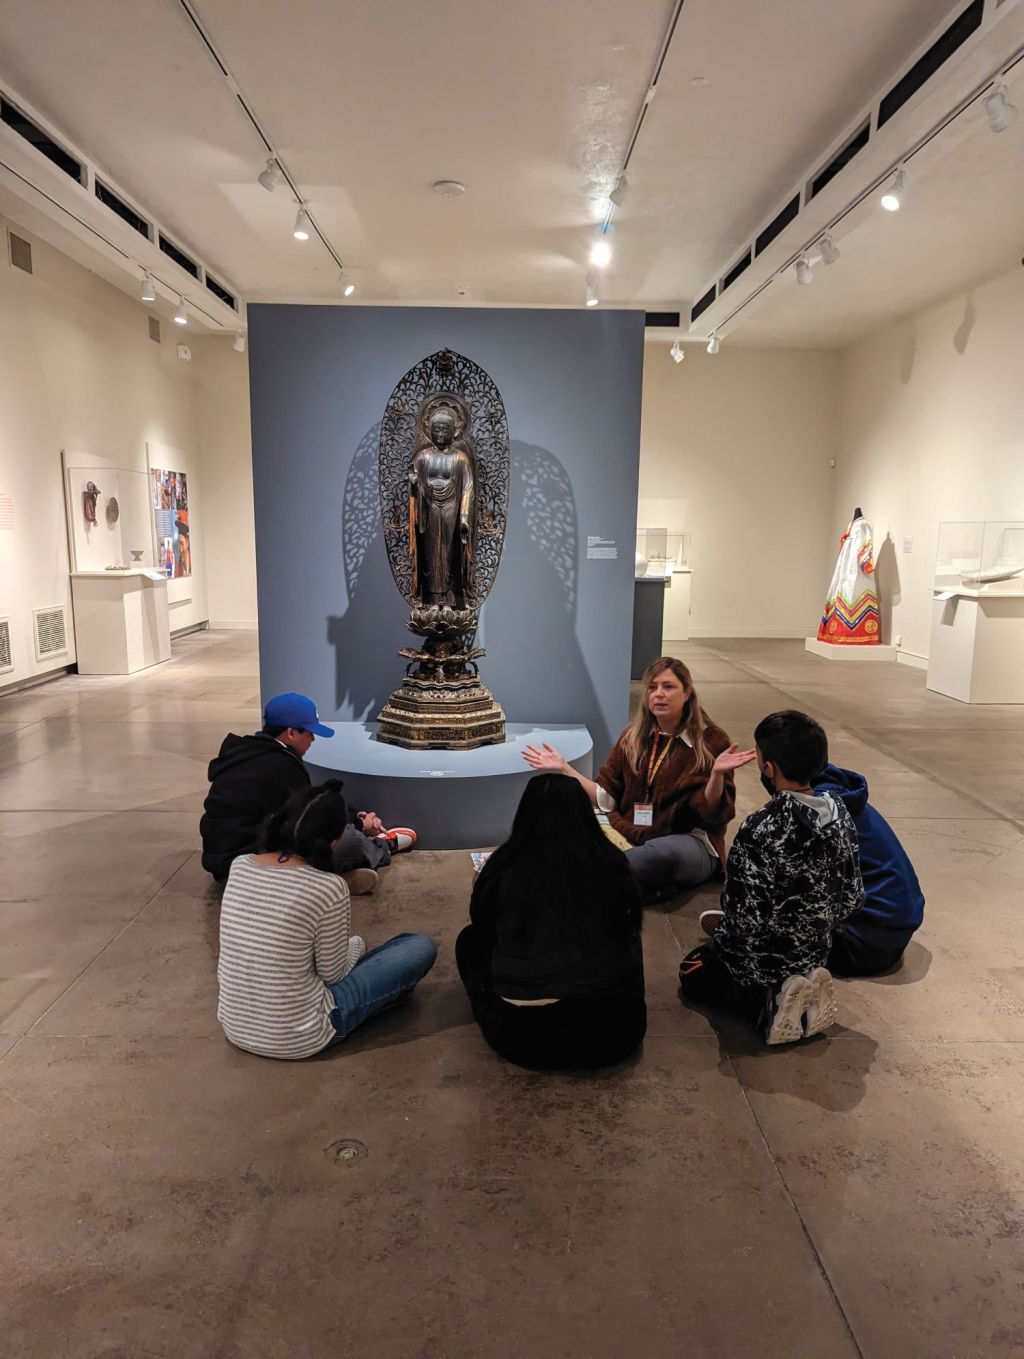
x: 110, y: 519
x: 982, y: 555
x: 658, y: 545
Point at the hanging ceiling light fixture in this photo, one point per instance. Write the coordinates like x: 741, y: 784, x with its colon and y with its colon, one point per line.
x: 678, y: 352
x: 270, y: 176
x: 998, y: 109
x: 601, y: 251
x: 894, y: 194
x: 238, y: 343
x: 829, y: 249
x: 714, y: 343
x: 148, y: 292
x: 592, y: 297
x: 181, y: 315
x: 303, y: 226
x: 804, y: 272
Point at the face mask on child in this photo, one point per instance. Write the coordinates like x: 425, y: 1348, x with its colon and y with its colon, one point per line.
x: 767, y: 784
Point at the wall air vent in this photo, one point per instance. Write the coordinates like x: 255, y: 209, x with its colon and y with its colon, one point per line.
x: 840, y: 160
x: 6, y: 655
x: 42, y: 141
x: 178, y: 256
x: 220, y: 291
x: 50, y: 626
x: 664, y: 320
x: 779, y: 222
x: 701, y: 306
x: 937, y: 55
x: 154, y: 328
x: 20, y: 252
x: 735, y: 272
x: 115, y: 203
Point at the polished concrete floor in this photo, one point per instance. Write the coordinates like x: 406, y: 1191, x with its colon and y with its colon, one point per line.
x: 411, y: 1196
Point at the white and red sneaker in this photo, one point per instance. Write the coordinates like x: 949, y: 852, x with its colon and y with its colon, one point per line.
x: 400, y: 839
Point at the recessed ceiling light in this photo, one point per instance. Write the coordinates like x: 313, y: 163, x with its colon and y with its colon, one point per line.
x: 894, y: 194
x: 804, y: 272
x: 302, y: 226
x: 999, y: 110
x: 270, y: 176
x: 448, y: 188
x: 699, y: 82
x: 678, y: 352
x: 181, y: 315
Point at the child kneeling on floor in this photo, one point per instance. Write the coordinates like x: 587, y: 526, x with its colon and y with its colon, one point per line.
x: 793, y: 874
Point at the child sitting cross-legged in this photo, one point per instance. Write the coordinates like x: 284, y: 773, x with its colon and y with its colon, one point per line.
x: 793, y: 874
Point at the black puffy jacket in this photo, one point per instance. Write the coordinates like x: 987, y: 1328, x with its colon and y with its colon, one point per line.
x: 249, y: 780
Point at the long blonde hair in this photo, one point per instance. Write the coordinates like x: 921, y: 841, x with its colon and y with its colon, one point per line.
x: 635, y: 740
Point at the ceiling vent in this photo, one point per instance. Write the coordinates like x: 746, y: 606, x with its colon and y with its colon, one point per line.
x: 42, y: 141
x: 124, y: 210
x: 664, y: 320
x: 154, y: 328
x: 6, y: 656
x: 735, y: 271
x: 702, y: 305
x: 20, y: 252
x: 220, y: 291
x: 937, y: 55
x: 51, y: 632
x: 779, y: 222
x: 840, y: 160
x: 178, y: 256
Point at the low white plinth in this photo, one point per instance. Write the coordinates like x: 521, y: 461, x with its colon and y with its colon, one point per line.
x: 122, y: 622
x: 677, y: 604
x: 453, y: 799
x: 850, y: 653
x: 977, y: 647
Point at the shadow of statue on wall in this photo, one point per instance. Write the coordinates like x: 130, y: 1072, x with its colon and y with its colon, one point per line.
x: 887, y: 583
x: 536, y: 669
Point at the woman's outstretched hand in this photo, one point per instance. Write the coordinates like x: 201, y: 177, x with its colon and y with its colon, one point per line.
x: 733, y: 758
x: 547, y: 757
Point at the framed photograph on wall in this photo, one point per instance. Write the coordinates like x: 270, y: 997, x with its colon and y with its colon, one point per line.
x: 169, y: 491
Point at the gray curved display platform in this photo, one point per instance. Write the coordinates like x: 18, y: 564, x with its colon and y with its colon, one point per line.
x: 453, y: 799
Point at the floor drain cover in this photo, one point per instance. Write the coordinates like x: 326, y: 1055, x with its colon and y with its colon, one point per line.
x: 346, y: 1151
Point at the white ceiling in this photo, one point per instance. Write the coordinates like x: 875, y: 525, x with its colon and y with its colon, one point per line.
x: 531, y: 105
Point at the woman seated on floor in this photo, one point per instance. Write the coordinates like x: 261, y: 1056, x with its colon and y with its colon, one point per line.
x: 293, y: 978
x: 552, y: 961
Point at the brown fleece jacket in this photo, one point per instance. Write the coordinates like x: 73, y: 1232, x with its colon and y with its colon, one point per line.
x: 680, y: 804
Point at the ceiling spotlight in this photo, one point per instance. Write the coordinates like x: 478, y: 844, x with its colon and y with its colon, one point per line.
x: 148, y: 293
x: 270, y: 176
x: 303, y: 226
x: 893, y: 196
x: 238, y: 343
x: 714, y: 343
x: 601, y: 252
x: 678, y: 352
x: 592, y: 297
x: 349, y: 289
x: 618, y: 194
x: 181, y: 315
x: 829, y: 249
x: 804, y: 272
x: 999, y: 110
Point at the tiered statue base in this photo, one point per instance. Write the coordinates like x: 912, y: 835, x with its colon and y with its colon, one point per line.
x: 441, y: 715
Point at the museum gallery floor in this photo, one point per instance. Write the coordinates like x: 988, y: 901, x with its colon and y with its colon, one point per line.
x: 167, y: 1194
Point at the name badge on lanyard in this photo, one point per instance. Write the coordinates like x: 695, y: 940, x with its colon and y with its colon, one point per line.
x: 643, y: 813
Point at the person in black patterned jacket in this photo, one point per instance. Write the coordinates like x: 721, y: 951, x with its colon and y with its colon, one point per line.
x: 793, y: 874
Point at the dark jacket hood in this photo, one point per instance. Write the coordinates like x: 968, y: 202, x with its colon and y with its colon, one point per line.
x: 238, y: 750
x: 846, y: 784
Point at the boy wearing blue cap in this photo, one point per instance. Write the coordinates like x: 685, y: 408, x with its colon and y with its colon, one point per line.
x: 254, y: 776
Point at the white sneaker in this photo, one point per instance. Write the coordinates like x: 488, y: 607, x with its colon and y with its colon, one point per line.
x: 361, y: 881
x: 710, y: 920
x: 820, y: 1001
x: 783, y: 1020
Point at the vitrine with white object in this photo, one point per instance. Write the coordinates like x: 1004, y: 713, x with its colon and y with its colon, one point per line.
x: 982, y: 555
x: 666, y: 556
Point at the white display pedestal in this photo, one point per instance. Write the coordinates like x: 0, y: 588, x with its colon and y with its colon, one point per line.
x: 122, y: 623
x: 830, y: 652
x: 677, y: 604
x: 977, y: 646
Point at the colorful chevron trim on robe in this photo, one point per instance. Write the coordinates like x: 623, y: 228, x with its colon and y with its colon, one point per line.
x: 846, y: 624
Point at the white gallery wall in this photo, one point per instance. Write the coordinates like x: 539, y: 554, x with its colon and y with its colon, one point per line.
x: 745, y: 438
x: 932, y: 429
x: 79, y: 372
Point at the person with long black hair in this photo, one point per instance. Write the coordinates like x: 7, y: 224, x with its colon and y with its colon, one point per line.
x: 293, y: 977
x: 552, y: 959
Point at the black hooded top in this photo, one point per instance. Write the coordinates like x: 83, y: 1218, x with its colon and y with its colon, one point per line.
x: 250, y: 779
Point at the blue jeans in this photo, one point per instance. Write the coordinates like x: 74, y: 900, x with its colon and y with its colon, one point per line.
x: 378, y: 979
